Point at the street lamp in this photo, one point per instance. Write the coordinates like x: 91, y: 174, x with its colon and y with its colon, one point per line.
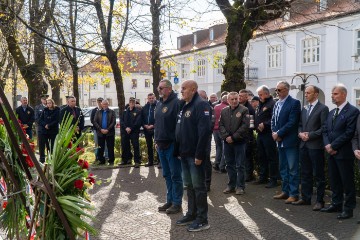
x: 304, y: 77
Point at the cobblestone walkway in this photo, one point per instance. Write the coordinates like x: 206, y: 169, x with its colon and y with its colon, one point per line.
x: 128, y: 198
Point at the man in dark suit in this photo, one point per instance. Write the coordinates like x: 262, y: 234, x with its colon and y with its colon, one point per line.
x: 312, y: 149
x: 72, y: 109
x: 148, y: 123
x: 284, y: 126
x: 339, y: 130
x: 356, y: 144
x: 26, y: 115
x: 266, y: 146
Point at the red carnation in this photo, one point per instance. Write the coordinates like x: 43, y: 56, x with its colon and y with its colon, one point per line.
x: 79, y: 184
x: 91, y: 178
x: 1, y: 121
x: 4, y: 204
x: 79, y: 149
x: 28, y: 160
x: 70, y: 145
x: 83, y: 164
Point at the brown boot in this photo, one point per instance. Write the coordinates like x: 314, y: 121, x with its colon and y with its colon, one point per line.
x: 291, y: 200
x: 281, y: 196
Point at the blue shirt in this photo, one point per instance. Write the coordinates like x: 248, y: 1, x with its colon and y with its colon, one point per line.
x: 104, y: 120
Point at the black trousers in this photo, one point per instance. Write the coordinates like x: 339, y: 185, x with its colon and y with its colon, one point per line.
x: 208, y: 167
x: 341, y: 175
x: 45, y: 140
x: 126, y: 148
x: 110, y: 143
x: 149, y: 137
x: 249, y: 160
x: 267, y: 157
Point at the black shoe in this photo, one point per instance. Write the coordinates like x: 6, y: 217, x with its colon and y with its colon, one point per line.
x: 332, y: 208
x: 301, y: 202
x: 185, y: 220
x: 137, y: 165
x: 271, y: 184
x: 164, y: 207
x: 174, y: 209
x: 197, y: 227
x: 223, y: 170
x: 159, y: 167
x: 345, y: 215
x: 216, y: 168
x: 149, y: 164
x: 260, y: 181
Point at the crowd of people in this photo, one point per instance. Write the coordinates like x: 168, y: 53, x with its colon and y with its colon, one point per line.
x: 291, y: 141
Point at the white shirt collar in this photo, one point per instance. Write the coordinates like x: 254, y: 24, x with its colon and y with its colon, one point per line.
x: 342, y: 106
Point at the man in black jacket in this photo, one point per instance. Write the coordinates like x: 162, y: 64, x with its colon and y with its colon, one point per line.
x: 26, y: 115
x: 148, y: 122
x: 130, y: 129
x: 165, y: 122
x: 266, y: 146
x: 78, y: 117
x: 193, y: 130
x: 92, y: 117
x: 104, y: 123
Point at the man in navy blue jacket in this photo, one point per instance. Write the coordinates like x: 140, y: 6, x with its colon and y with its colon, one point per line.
x: 148, y: 123
x: 338, y: 132
x: 284, y: 126
x: 193, y: 130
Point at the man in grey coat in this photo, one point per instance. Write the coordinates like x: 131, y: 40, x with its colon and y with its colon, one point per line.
x: 356, y: 145
x: 313, y: 115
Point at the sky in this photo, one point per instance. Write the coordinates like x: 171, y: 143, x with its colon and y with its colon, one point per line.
x: 198, y: 21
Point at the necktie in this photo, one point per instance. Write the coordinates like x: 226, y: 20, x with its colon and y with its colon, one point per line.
x: 335, y: 116
x: 308, y: 111
x: 73, y: 112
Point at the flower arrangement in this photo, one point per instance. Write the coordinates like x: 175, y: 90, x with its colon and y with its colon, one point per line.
x: 69, y: 178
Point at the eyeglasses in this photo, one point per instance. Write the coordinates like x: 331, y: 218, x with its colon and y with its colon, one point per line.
x: 278, y: 90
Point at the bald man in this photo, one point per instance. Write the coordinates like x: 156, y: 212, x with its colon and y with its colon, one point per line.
x: 193, y: 130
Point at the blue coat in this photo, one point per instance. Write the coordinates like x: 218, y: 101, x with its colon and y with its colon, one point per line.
x: 287, y: 123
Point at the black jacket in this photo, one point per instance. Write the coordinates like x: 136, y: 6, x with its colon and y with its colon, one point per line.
x: 50, y: 118
x: 148, y: 116
x: 111, y: 121
x: 27, y: 116
x: 193, y: 128
x: 78, y: 116
x: 263, y: 115
x: 131, y: 119
x: 38, y: 111
x: 165, y: 119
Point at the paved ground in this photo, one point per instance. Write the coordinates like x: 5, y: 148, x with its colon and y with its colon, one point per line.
x: 128, y: 198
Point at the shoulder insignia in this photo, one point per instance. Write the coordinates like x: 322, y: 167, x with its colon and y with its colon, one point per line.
x: 187, y: 113
x: 164, y: 109
x: 238, y: 114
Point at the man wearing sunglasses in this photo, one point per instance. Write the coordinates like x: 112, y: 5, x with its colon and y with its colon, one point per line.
x: 284, y: 126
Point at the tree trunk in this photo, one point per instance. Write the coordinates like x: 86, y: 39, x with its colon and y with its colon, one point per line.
x: 118, y: 80
x: 55, y: 90
x: 75, y: 73
x: 155, y: 50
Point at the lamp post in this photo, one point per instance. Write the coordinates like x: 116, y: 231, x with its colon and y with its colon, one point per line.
x: 304, y: 77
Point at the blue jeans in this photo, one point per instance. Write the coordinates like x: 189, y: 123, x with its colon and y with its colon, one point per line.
x: 194, y: 179
x: 312, y: 166
x: 235, y: 164
x: 171, y: 169
x: 219, y: 144
x: 289, y: 170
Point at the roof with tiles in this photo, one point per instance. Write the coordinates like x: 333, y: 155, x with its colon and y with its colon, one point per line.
x: 130, y: 61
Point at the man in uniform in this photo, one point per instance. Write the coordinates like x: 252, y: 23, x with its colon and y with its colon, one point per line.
x: 148, y: 122
x: 193, y: 130
x: 26, y: 115
x: 165, y: 122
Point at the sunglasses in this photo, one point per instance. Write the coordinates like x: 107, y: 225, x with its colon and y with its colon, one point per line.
x: 278, y: 90
x: 161, y: 88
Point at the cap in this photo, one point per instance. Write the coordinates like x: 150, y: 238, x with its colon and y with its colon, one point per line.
x: 44, y: 96
x: 131, y: 99
x: 99, y: 99
x: 255, y: 98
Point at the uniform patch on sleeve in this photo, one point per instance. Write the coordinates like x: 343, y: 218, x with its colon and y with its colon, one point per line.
x: 207, y: 113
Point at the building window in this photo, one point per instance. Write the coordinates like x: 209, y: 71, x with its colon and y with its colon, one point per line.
x: 311, y: 50
x: 219, y: 65
x: 322, y: 4
x: 195, y: 39
x: 358, y: 43
x: 134, y: 83
x: 183, y: 71
x: 179, y: 43
x: 93, y: 102
x: 147, y: 83
x: 107, y: 85
x: 201, y: 67
x: 94, y: 86
x: 134, y: 63
x: 274, y: 56
x: 357, y: 98
x: 211, y: 34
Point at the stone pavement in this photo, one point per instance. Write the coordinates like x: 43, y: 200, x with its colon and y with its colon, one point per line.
x: 128, y: 198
